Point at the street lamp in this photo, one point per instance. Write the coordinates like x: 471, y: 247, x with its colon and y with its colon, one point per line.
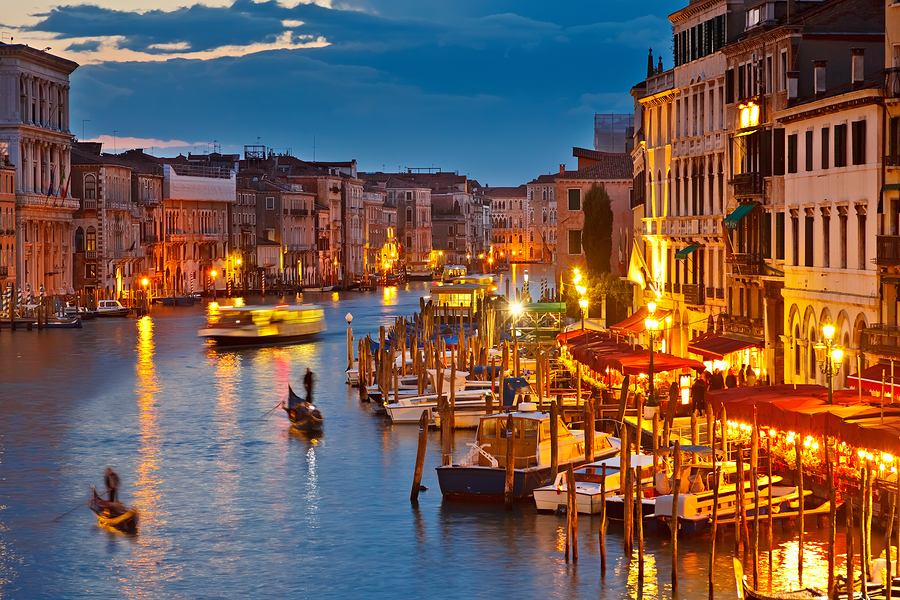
x: 213, y: 274
x: 583, y: 303
x: 516, y: 309
x: 652, y: 325
x: 829, y: 356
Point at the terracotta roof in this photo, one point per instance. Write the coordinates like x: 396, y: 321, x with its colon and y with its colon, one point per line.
x: 548, y: 178
x: 79, y: 157
x: 506, y: 192
x: 610, y: 165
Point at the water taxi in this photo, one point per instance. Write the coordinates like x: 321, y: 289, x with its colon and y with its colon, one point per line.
x: 111, y: 308
x: 453, y: 272
x: 481, y: 475
x: 264, y: 325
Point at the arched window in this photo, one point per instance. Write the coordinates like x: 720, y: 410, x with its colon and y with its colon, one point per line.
x: 91, y: 240
x: 531, y: 235
x: 90, y: 187
x: 545, y: 215
x: 79, y: 240
x: 811, y: 373
x: 531, y: 253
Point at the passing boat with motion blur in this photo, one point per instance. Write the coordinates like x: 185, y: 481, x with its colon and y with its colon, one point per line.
x: 263, y: 325
x: 114, y: 515
x: 303, y: 415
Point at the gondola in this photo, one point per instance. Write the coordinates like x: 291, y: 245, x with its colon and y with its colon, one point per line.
x: 303, y: 415
x: 114, y: 515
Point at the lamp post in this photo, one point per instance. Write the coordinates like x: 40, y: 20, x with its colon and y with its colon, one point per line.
x: 583, y: 303
x: 829, y: 356
x: 146, y: 282
x: 652, y: 325
x: 349, y: 318
x: 213, y: 274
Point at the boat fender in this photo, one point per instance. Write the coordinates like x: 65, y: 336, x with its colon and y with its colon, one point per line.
x: 423, y: 488
x: 561, y: 509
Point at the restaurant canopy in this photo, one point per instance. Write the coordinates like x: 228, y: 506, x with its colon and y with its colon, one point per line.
x: 804, y: 409
x: 635, y: 323
x: 626, y: 360
x: 714, y: 346
x: 873, y: 376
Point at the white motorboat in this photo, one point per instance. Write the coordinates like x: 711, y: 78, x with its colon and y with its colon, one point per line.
x: 264, y: 325
x: 482, y: 473
x: 111, y: 308
x: 589, y: 486
x: 408, y: 386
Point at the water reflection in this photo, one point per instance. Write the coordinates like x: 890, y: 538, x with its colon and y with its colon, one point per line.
x: 146, y: 567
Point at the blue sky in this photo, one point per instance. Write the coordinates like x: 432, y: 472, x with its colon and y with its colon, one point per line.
x: 497, y: 90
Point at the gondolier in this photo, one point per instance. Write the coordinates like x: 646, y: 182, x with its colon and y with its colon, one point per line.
x: 112, y: 484
x: 308, y: 384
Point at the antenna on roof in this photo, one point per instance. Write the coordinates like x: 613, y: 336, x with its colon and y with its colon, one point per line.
x: 314, y: 147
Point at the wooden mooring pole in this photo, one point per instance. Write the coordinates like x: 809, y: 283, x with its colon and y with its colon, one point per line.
x: 602, y: 522
x: 711, y: 438
x: 554, y: 441
x: 510, y: 463
x: 674, y: 523
x: 573, y: 512
x: 420, y: 457
x: 797, y: 447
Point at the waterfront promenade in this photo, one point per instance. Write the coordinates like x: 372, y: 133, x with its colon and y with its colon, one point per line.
x: 236, y: 506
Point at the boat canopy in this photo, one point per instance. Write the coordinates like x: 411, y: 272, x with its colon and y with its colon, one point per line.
x: 513, y: 386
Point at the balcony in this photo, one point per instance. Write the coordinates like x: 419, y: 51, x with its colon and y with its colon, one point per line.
x: 88, y: 205
x: 881, y: 339
x: 90, y: 255
x: 694, y: 294
x: 744, y: 326
x: 747, y: 184
x: 746, y: 265
x: 887, y: 252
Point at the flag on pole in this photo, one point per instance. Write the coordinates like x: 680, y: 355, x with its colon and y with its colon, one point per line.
x: 50, y: 189
x: 63, y: 183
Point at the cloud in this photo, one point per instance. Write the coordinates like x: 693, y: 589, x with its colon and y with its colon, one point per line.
x: 85, y: 46
x: 120, y: 144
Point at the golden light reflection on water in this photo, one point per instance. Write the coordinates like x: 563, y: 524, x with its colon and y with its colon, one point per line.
x: 226, y: 367
x: 389, y: 295
x: 786, y: 560
x: 649, y: 588
x: 146, y: 566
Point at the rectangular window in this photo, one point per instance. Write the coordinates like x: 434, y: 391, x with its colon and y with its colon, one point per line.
x: 778, y: 152
x: 809, y: 150
x: 782, y: 75
x: 574, y: 241
x: 769, y: 74
x: 795, y: 241
x: 861, y: 235
x: 729, y: 86
x: 270, y: 203
x: 826, y: 241
x: 90, y: 271
x: 792, y: 153
x: 575, y: 204
x: 843, y: 237
x: 766, y: 235
x: 893, y: 152
x: 825, y: 151
x: 779, y: 236
x: 808, y: 241
x: 858, y: 138
x: 840, y: 145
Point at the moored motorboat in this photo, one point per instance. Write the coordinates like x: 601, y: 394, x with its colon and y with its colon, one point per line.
x: 264, y: 325
x: 56, y: 322
x: 303, y: 415
x: 481, y: 475
x: 114, y: 515
x: 111, y: 308
x: 591, y: 492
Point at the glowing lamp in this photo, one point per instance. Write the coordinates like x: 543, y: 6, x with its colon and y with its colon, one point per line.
x: 651, y: 324
x: 145, y: 282
x: 581, y: 289
x: 828, y: 332
x: 213, y: 273
x: 651, y: 306
x: 516, y: 308
x: 837, y: 355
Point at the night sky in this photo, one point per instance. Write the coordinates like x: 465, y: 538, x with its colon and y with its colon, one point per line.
x: 499, y: 91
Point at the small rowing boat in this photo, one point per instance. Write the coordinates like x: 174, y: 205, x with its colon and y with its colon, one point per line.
x: 303, y: 415
x: 114, y: 515
x: 751, y: 593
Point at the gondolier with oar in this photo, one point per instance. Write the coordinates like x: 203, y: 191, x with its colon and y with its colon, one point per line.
x: 112, y: 484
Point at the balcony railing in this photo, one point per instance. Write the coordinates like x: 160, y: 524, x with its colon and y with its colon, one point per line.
x: 88, y: 205
x: 694, y: 294
x: 747, y: 184
x: 745, y: 326
x: 881, y: 339
x: 892, y: 82
x: 90, y: 255
x: 887, y: 250
x: 745, y: 264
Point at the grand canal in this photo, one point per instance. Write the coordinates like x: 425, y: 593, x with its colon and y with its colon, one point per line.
x: 234, y: 505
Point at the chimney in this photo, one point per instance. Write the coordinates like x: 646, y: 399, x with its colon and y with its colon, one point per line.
x: 562, y: 169
x: 857, y: 66
x: 792, y: 77
x: 819, y: 76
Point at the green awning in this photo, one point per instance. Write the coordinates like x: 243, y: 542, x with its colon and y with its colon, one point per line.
x: 890, y: 187
x: 543, y: 308
x: 739, y: 213
x: 683, y: 253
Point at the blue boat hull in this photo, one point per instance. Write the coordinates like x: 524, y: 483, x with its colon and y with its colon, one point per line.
x: 488, y: 483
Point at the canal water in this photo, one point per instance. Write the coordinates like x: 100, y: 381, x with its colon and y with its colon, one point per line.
x: 235, y: 505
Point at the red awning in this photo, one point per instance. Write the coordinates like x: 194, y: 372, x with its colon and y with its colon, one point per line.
x: 872, y: 377
x: 634, y: 323
x: 715, y: 346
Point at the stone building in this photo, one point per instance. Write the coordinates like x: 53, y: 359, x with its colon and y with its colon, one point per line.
x: 34, y: 134
x: 508, y: 216
x: 540, y: 219
x: 7, y: 223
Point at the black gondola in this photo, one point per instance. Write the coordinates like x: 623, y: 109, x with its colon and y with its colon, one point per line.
x: 114, y: 515
x: 303, y: 415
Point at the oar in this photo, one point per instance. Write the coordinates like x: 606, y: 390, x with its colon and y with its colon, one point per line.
x: 76, y: 508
